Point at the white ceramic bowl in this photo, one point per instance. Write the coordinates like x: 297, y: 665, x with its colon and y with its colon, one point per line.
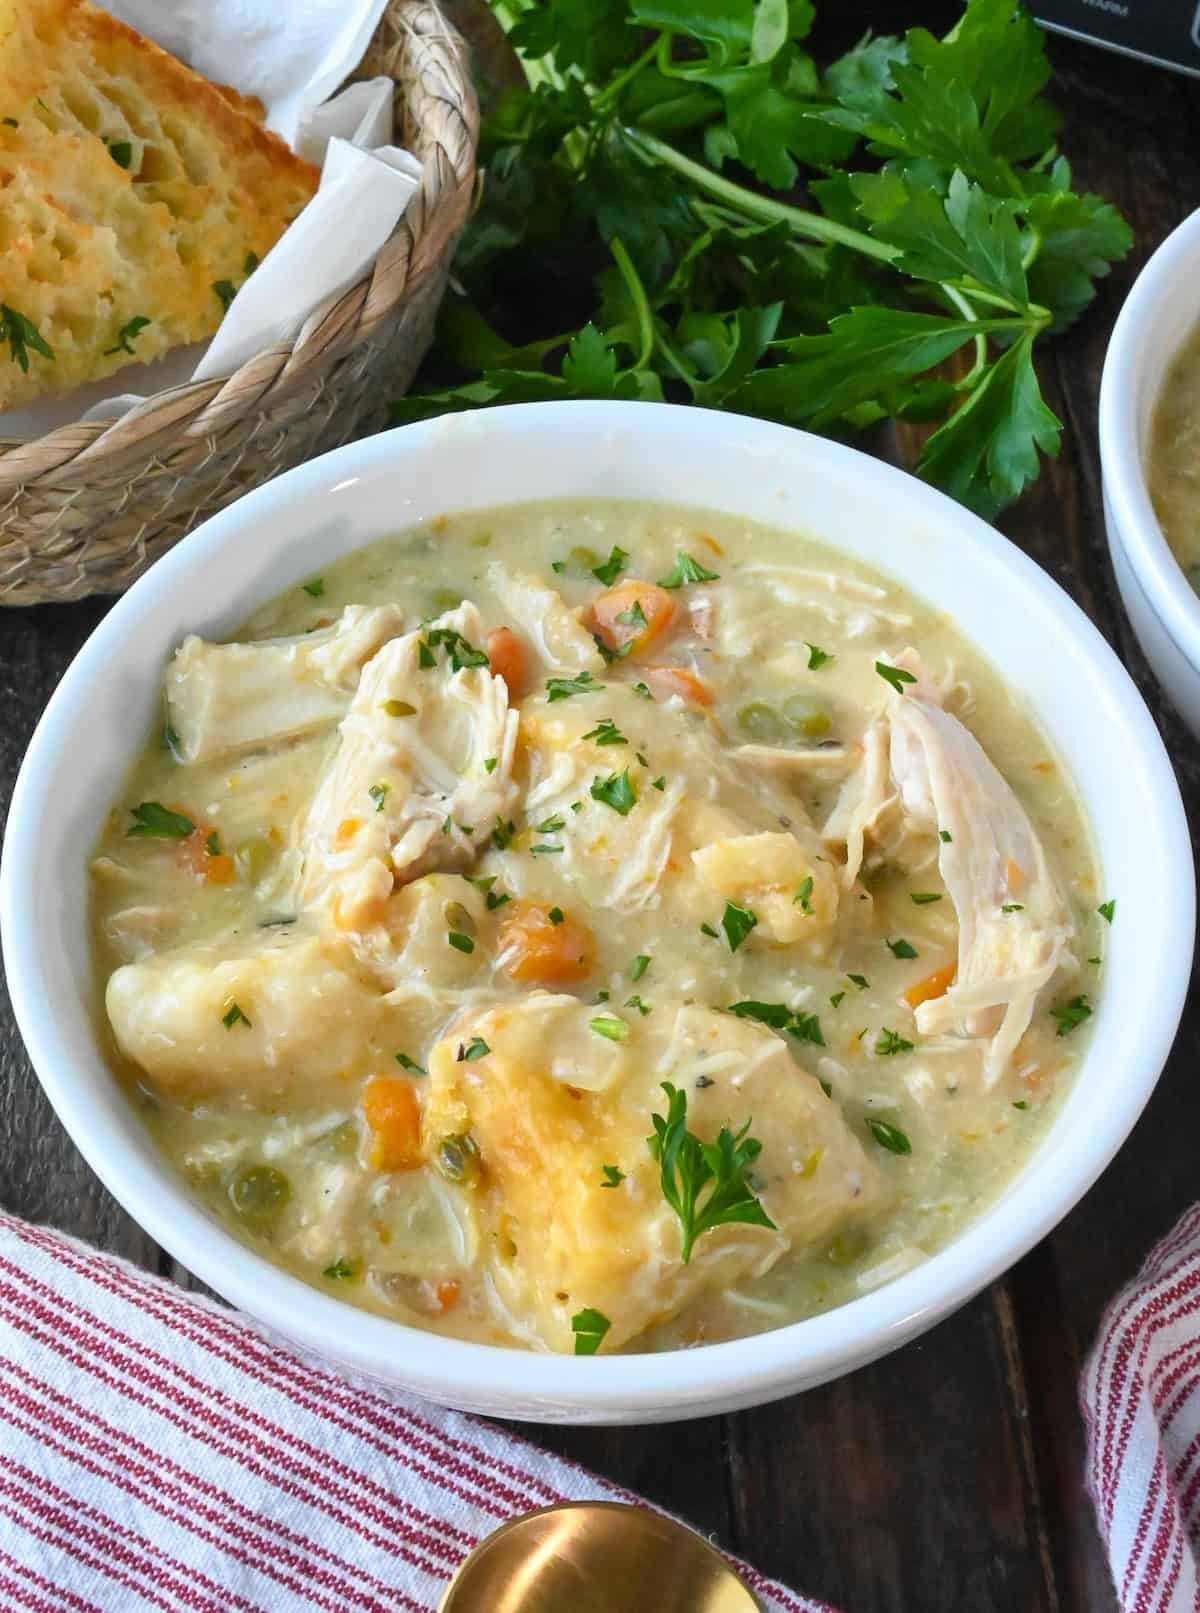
x: 1051, y: 655
x: 1158, y: 316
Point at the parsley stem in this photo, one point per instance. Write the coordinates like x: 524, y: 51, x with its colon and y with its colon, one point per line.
x: 812, y: 225
x: 611, y: 90
x: 967, y: 310
x: 637, y: 295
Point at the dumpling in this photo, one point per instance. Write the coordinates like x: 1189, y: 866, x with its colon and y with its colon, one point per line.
x: 550, y: 1102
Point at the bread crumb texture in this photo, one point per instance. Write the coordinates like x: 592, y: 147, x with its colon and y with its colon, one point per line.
x: 135, y: 198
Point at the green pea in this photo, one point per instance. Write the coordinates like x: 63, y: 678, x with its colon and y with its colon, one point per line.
x: 255, y: 858
x: 808, y: 717
x: 763, y: 724
x: 458, y: 1159
x: 459, y: 918
x: 259, y: 1194
x: 583, y: 560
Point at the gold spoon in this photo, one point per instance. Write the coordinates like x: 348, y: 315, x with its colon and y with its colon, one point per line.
x: 595, y: 1557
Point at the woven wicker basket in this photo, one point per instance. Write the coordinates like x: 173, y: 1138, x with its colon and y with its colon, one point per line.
x: 85, y: 509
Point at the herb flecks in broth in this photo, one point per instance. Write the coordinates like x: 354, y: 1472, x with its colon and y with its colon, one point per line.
x: 407, y: 931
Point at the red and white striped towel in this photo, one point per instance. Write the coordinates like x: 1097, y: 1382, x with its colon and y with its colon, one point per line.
x: 157, y: 1452
x: 1141, y: 1403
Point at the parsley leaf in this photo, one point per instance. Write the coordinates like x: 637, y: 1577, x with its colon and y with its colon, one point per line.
x: 460, y: 942
x: 234, y: 1015
x: 895, y: 675
x: 900, y: 948
x: 817, y: 657
x: 1107, y: 910
x: 686, y: 570
x: 612, y: 567
x: 639, y: 966
x: 1071, y: 1015
x: 152, y: 820
x: 688, y: 1167
x: 476, y: 1048
x: 889, y: 1136
x: 737, y: 922
x: 413, y: 1068
x: 564, y: 688
x: 613, y: 1176
x: 615, y: 791
x: 589, y: 1327
x: 127, y: 335
x: 21, y: 334
x: 609, y: 1026
x: 888, y: 1043
x: 339, y: 1268
x: 606, y: 732
x: 924, y: 898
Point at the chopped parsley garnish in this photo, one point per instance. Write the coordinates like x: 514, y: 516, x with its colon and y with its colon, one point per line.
x: 641, y: 758
x: 213, y: 844
x: 379, y: 794
x: 128, y: 334
x: 836, y: 1000
x: 1107, y: 909
x: 616, y: 791
x: 1071, y: 1015
x: 494, y: 901
x: 1094, y: 960
x: 157, y: 822
x: 550, y: 826
x: 613, y: 1176
x: 707, y: 929
x: 737, y: 922
x: 900, y: 948
x: 425, y: 656
x: 555, y: 915
x: 11, y: 122
x: 802, y: 1027
x: 659, y: 783
x: 476, y: 1048
x: 564, y: 688
x: 688, y: 1166
x: 817, y: 657
x: 121, y: 152
x: 635, y: 616
x: 608, y: 653
x: 860, y: 981
x: 609, y: 1025
x: 339, y: 1268
x: 460, y: 942
x: 639, y: 966
x: 895, y: 675
x: 612, y: 567
x: 171, y: 740
x: 589, y: 1327
x: 644, y: 690
x: 888, y: 1043
x: 460, y: 653
x: 803, y: 896
x: 411, y: 1065
x: 489, y: 764
x: 249, y: 263
x: 636, y: 1002
x: 1021, y: 1103
x: 889, y: 1136
x: 232, y: 1015
x: 1012, y: 907
x: 544, y: 848
x: 923, y: 898
x: 687, y: 569
x: 502, y: 834
x: 606, y: 732
x: 945, y: 837
x: 21, y: 334
x: 316, y: 587
x: 226, y: 291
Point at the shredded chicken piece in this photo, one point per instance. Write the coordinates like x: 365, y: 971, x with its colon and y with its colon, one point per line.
x: 1014, y: 930
x: 864, y: 796
x: 563, y: 644
x: 421, y: 774
x: 223, y: 699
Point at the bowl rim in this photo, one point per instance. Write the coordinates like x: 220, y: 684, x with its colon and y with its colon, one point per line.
x: 1134, y: 523
x: 720, y: 1376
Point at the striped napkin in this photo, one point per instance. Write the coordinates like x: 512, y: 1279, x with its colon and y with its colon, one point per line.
x: 157, y: 1451
x: 1141, y: 1402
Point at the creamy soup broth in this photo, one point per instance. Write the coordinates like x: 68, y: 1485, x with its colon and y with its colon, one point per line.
x: 1174, y: 459
x: 397, y: 998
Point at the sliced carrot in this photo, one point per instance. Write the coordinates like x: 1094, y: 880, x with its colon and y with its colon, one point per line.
x: 506, y: 652
x: 632, y: 616
x: 345, y: 832
x: 219, y: 870
x: 533, y: 947
x: 393, y: 1115
x: 447, y: 1295
x: 1014, y: 876
x: 935, y: 985
x: 666, y: 681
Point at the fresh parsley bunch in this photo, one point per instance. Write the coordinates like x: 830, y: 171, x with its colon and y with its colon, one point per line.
x: 647, y: 178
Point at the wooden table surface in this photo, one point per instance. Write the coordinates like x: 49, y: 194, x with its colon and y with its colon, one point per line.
x: 945, y: 1478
